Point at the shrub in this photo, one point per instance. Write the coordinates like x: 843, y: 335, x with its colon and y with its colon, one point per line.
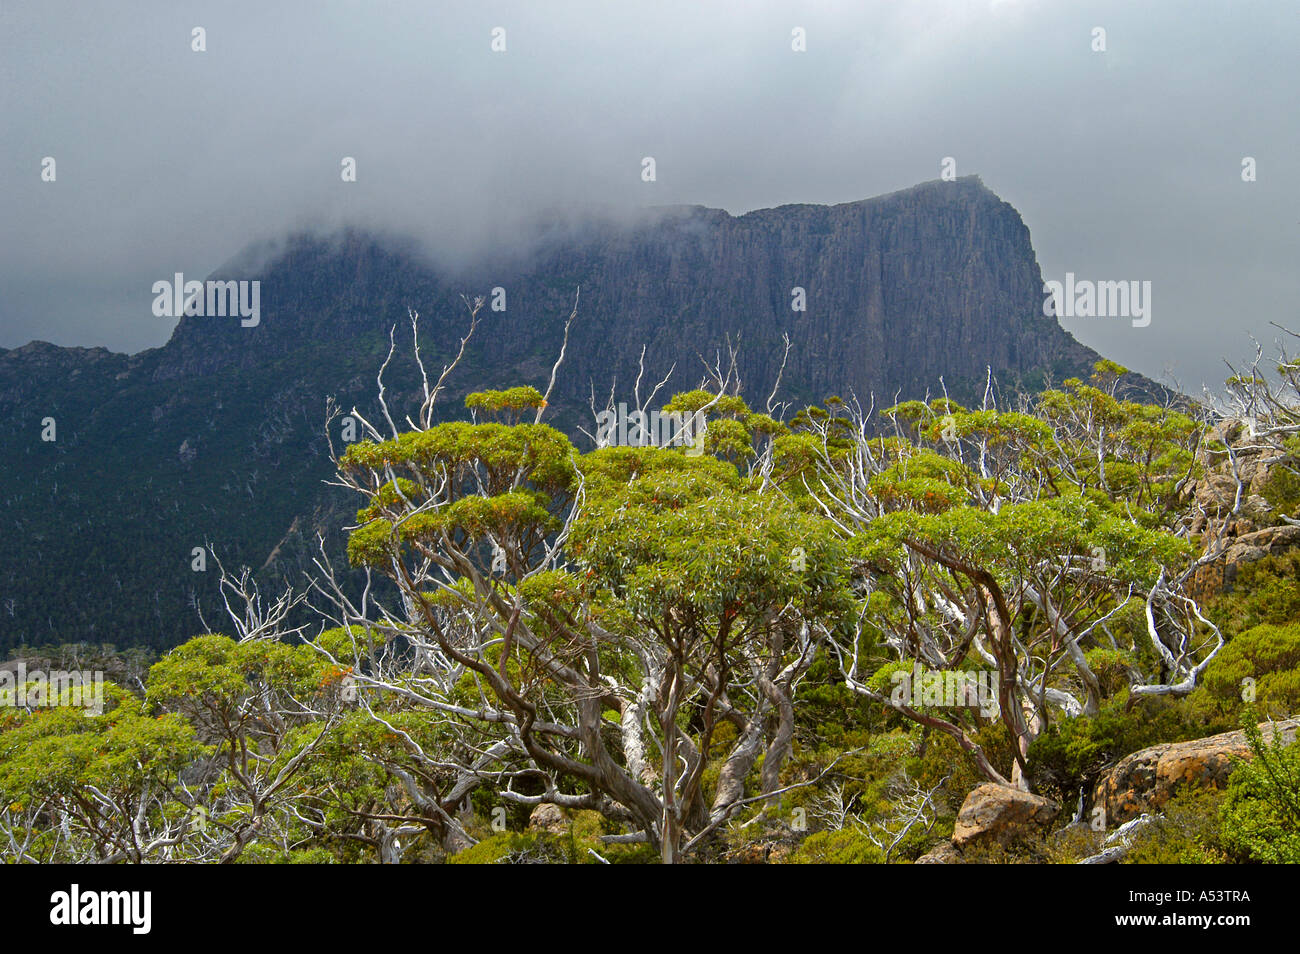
x: 1260, y: 817
x: 843, y: 847
x: 1265, y: 591
x: 1282, y: 490
x: 508, y: 847
x: 1267, y: 654
x: 1186, y: 834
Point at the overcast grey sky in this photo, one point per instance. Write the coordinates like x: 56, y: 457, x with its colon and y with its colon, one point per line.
x: 1125, y: 164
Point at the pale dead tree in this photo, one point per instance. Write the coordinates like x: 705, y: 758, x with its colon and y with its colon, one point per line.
x: 773, y: 408
x: 1267, y: 401
x: 722, y: 377
x: 832, y: 810
x: 26, y: 834
x: 1171, y: 626
x: 429, y: 394
x: 609, y: 408
x: 559, y: 359
x: 638, y: 414
x: 251, y: 616
x: 720, y: 380
x: 640, y: 405
x: 1118, y: 843
x: 913, y: 807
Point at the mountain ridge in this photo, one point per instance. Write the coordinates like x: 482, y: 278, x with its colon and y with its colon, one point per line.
x: 217, y: 436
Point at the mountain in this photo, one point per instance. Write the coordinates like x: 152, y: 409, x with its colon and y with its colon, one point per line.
x: 218, y: 436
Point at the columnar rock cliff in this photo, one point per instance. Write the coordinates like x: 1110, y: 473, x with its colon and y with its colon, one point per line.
x: 937, y: 280
x: 216, y: 437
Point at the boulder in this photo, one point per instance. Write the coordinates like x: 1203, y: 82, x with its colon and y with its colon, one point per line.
x: 1144, y: 781
x: 999, y: 813
x: 1215, y: 493
x: 941, y: 854
x: 760, y: 853
x: 550, y: 819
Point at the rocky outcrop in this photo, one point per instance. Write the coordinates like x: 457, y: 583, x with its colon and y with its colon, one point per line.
x: 1000, y: 814
x: 1144, y: 781
x: 1257, y: 544
x: 1228, y: 512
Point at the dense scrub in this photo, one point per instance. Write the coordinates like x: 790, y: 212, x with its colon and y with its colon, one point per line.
x: 803, y: 640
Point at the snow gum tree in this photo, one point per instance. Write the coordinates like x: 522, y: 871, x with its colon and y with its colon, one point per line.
x: 623, y: 630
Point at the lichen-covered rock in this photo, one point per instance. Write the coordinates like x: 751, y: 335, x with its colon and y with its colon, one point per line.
x: 941, y: 854
x: 1270, y: 540
x: 1145, y: 780
x: 999, y: 813
x: 772, y: 852
x: 550, y: 819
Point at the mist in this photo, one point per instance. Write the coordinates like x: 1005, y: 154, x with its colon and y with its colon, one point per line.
x: 1126, y: 163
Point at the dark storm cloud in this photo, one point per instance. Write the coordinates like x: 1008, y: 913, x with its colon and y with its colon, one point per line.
x: 1125, y: 164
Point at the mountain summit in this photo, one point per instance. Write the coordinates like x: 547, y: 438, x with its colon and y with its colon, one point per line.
x: 882, y: 296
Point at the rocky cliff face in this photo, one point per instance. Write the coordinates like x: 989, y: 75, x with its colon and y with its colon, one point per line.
x: 935, y: 281
x: 217, y: 437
